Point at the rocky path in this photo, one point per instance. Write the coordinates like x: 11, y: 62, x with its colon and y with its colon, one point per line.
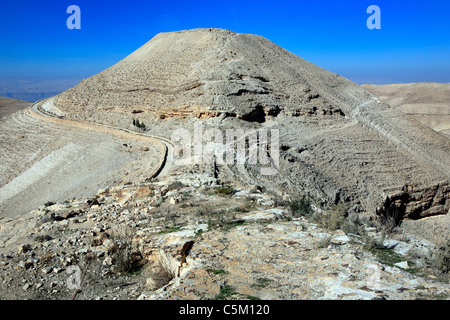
x: 46, y: 109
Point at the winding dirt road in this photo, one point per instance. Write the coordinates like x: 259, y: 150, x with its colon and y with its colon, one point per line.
x: 166, y: 146
x: 48, y: 158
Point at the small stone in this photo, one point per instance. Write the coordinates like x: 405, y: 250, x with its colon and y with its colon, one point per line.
x: 150, y: 284
x: 390, y: 243
x: 98, y: 229
x: 339, y: 240
x: 26, y: 264
x: 379, y: 297
x: 402, y: 265
x: 107, y: 261
x: 64, y: 223
x: 109, y: 244
x: 58, y: 270
x: 47, y: 270
x: 24, y: 248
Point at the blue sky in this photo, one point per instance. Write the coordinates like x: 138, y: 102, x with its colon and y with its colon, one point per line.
x: 413, y: 44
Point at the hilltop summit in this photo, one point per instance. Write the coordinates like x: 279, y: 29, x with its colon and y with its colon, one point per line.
x: 208, y: 72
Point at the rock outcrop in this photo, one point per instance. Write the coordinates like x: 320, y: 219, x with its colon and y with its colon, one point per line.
x: 412, y: 203
x: 132, y: 242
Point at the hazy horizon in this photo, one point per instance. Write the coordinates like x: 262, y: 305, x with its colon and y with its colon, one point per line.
x: 411, y: 46
x: 33, y: 89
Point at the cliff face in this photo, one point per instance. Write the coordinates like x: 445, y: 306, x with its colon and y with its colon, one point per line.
x: 418, y: 203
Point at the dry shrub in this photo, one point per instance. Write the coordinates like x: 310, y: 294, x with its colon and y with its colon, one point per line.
x: 441, y: 259
x: 161, y: 273
x: 126, y: 255
x: 333, y: 218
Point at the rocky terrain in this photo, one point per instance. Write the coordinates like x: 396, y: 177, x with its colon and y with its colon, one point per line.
x: 45, y: 160
x: 357, y: 207
x: 188, y: 237
x: 426, y: 102
x: 338, y: 142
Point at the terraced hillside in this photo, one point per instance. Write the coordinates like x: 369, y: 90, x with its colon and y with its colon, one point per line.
x: 339, y: 142
x: 45, y: 161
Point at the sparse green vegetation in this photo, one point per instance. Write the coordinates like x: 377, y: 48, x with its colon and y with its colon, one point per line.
x: 186, y: 195
x: 219, y: 218
x: 441, y: 258
x: 216, y: 271
x: 169, y: 229
x: 246, y: 207
x: 334, y: 217
x: 390, y: 218
x: 227, y: 225
x: 353, y: 226
x: 261, y: 283
x: 138, y: 124
x: 161, y: 274
x: 226, y: 291
x: 204, y: 212
x: 43, y: 238
x: 420, y: 287
x: 431, y: 296
x: 324, y: 243
x: 224, y: 191
x: 126, y: 256
x: 390, y: 258
x: 198, y: 233
x: 175, y: 186
x: 386, y: 256
x: 301, y: 207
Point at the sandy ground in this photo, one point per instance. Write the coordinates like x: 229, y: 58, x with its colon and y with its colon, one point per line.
x: 9, y: 106
x: 43, y: 161
x: 339, y: 142
x: 427, y: 102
